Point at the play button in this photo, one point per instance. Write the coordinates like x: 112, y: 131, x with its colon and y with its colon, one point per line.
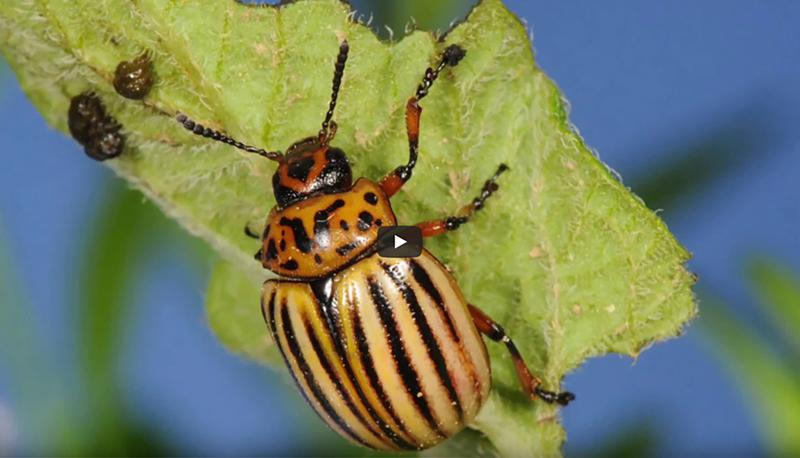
x: 399, y: 241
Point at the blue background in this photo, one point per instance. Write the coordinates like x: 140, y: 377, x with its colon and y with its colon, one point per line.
x: 647, y: 82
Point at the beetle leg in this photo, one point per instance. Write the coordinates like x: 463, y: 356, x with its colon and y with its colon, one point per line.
x: 530, y: 384
x: 395, y: 180
x: 259, y: 254
x: 451, y: 223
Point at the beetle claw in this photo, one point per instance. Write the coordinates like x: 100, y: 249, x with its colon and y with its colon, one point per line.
x: 563, y: 398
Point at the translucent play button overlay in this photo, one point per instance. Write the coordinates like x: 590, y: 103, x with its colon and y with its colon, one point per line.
x: 399, y: 242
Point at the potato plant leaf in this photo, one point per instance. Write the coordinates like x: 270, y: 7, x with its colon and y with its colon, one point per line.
x: 564, y: 256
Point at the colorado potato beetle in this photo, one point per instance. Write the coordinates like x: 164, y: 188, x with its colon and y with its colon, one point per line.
x: 386, y: 350
x: 93, y: 128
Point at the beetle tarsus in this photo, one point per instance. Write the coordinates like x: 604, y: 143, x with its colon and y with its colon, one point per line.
x: 530, y: 384
x: 453, y: 55
x: 451, y: 223
x: 392, y: 182
x: 562, y: 398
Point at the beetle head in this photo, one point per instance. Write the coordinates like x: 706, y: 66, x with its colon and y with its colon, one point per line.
x: 310, y: 167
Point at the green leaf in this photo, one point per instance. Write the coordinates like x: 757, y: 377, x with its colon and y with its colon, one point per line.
x: 122, y: 236
x: 233, y: 308
x: 29, y: 374
x: 769, y: 383
x: 391, y: 19
x: 564, y: 256
x: 639, y: 437
x: 779, y: 291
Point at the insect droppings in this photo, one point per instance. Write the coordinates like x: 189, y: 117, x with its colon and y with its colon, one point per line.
x: 134, y: 79
x: 93, y: 128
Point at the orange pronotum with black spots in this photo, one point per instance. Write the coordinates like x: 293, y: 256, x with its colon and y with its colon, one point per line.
x: 315, y: 237
x: 387, y: 351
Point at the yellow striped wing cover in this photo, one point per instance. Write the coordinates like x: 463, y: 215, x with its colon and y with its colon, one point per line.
x: 385, y: 351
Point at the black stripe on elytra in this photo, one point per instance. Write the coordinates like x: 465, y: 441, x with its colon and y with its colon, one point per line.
x: 264, y: 310
x: 424, y: 280
x: 402, y: 361
x: 274, y: 328
x: 335, y: 378
x: 308, y: 376
x: 321, y: 222
x: 345, y: 249
x: 425, y: 331
x: 329, y: 311
x: 369, y: 367
x: 300, y: 236
x: 300, y: 168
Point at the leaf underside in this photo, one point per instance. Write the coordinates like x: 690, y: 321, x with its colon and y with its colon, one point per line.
x: 568, y: 260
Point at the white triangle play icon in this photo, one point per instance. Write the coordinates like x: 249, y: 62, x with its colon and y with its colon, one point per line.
x: 400, y: 241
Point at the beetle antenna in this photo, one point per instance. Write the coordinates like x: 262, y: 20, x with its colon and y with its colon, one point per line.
x: 328, y: 130
x: 199, y: 129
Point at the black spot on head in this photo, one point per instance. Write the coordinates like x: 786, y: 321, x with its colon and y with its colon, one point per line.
x: 300, y: 168
x: 364, y: 220
x: 284, y: 195
x: 336, y: 175
x: 371, y: 198
x: 317, y: 259
x: 289, y: 265
x: 343, y: 224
